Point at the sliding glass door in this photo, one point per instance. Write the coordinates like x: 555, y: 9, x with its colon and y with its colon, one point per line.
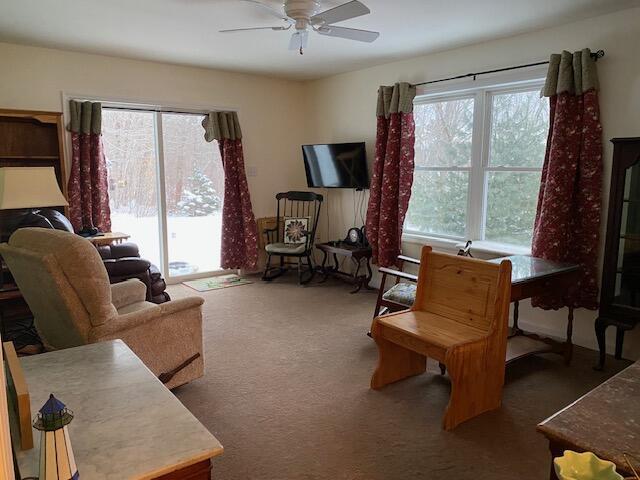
x: 166, y: 188
x: 194, y: 183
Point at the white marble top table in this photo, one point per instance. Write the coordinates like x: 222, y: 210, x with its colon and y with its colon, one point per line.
x: 127, y: 425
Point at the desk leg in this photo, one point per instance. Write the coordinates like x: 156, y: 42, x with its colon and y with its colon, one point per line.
x: 568, y: 352
x: 556, y: 450
x: 325, y: 273
x: 369, y: 274
x: 357, y: 281
x: 552, y: 471
x: 516, y: 314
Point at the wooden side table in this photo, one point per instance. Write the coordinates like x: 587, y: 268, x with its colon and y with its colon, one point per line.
x: 108, y: 238
x: 604, y: 421
x: 358, y: 256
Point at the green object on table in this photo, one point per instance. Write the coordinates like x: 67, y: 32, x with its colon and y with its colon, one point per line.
x: 584, y: 466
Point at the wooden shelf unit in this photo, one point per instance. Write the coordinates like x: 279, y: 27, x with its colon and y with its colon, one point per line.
x: 30, y: 138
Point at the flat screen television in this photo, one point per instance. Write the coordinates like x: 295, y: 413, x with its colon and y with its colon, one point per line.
x: 336, y: 165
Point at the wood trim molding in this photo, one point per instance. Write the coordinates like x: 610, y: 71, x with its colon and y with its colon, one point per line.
x: 6, y: 456
x: 21, y: 401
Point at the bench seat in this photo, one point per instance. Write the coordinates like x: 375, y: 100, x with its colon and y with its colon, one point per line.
x: 438, y: 331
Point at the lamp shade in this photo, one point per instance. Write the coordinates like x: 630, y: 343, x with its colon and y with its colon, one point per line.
x: 29, y: 187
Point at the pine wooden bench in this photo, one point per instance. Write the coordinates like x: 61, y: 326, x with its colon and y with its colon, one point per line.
x: 460, y: 319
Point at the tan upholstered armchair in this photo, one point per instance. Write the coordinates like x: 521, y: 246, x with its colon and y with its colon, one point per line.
x: 66, y: 286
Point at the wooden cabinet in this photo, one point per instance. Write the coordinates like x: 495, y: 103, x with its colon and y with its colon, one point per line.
x: 620, y: 293
x: 33, y: 139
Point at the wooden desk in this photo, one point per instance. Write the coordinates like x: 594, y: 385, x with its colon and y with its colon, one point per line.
x: 356, y: 254
x: 532, y: 276
x: 605, y: 421
x: 108, y: 238
x: 127, y: 425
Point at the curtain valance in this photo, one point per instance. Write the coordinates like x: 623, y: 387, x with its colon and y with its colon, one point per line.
x: 572, y: 73
x: 221, y: 125
x: 395, y: 99
x: 86, y: 117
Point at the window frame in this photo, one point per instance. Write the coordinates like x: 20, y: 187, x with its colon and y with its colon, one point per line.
x: 482, y: 91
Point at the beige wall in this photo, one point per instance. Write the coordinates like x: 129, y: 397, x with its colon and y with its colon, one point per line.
x: 343, y: 108
x: 269, y: 109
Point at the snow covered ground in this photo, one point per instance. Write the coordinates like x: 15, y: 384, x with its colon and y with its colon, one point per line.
x: 194, y: 242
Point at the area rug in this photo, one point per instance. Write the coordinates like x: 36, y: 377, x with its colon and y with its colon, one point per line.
x: 216, y: 283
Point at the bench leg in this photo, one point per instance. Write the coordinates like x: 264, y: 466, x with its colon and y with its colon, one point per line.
x: 395, y: 363
x: 474, y: 389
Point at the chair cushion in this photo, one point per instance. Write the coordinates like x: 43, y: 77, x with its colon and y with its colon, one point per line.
x: 402, y: 293
x: 284, y: 248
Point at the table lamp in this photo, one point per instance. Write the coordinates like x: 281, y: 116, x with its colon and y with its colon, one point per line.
x: 29, y: 187
x: 23, y: 189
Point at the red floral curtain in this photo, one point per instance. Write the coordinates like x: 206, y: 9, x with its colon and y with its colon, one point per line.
x: 88, y: 188
x: 567, y: 223
x: 392, y: 172
x: 239, y: 229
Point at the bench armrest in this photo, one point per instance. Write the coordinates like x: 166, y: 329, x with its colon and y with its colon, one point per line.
x: 404, y: 258
x: 396, y: 273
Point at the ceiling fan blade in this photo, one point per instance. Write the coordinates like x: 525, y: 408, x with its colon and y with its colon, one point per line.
x: 349, y: 33
x: 231, y: 30
x: 299, y: 40
x: 271, y: 10
x: 341, y: 13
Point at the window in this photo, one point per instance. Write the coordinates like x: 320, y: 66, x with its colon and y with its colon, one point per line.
x: 166, y: 187
x: 478, y: 161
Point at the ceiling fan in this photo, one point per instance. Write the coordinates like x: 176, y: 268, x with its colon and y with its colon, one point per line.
x: 305, y: 15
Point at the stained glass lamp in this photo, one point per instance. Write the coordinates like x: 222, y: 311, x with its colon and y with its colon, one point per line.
x: 56, y: 456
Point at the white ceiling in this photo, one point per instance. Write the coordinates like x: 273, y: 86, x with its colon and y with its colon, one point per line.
x: 186, y: 31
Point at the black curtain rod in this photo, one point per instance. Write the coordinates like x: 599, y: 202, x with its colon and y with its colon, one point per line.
x: 158, y: 110
x: 594, y: 55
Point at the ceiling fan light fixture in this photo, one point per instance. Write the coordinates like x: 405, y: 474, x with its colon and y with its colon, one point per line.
x: 305, y: 15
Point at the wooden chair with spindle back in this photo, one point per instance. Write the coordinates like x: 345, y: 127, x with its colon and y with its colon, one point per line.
x: 293, y: 205
x: 459, y: 318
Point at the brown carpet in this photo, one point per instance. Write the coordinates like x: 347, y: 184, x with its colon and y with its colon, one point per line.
x: 286, y: 391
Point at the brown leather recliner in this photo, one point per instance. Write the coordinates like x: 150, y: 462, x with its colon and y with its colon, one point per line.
x: 123, y: 262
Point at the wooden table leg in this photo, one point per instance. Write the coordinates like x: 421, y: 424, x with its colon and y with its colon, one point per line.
x: 568, y: 352
x: 369, y: 274
x: 325, y: 273
x: 356, y: 279
x: 555, y: 450
x: 516, y: 313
